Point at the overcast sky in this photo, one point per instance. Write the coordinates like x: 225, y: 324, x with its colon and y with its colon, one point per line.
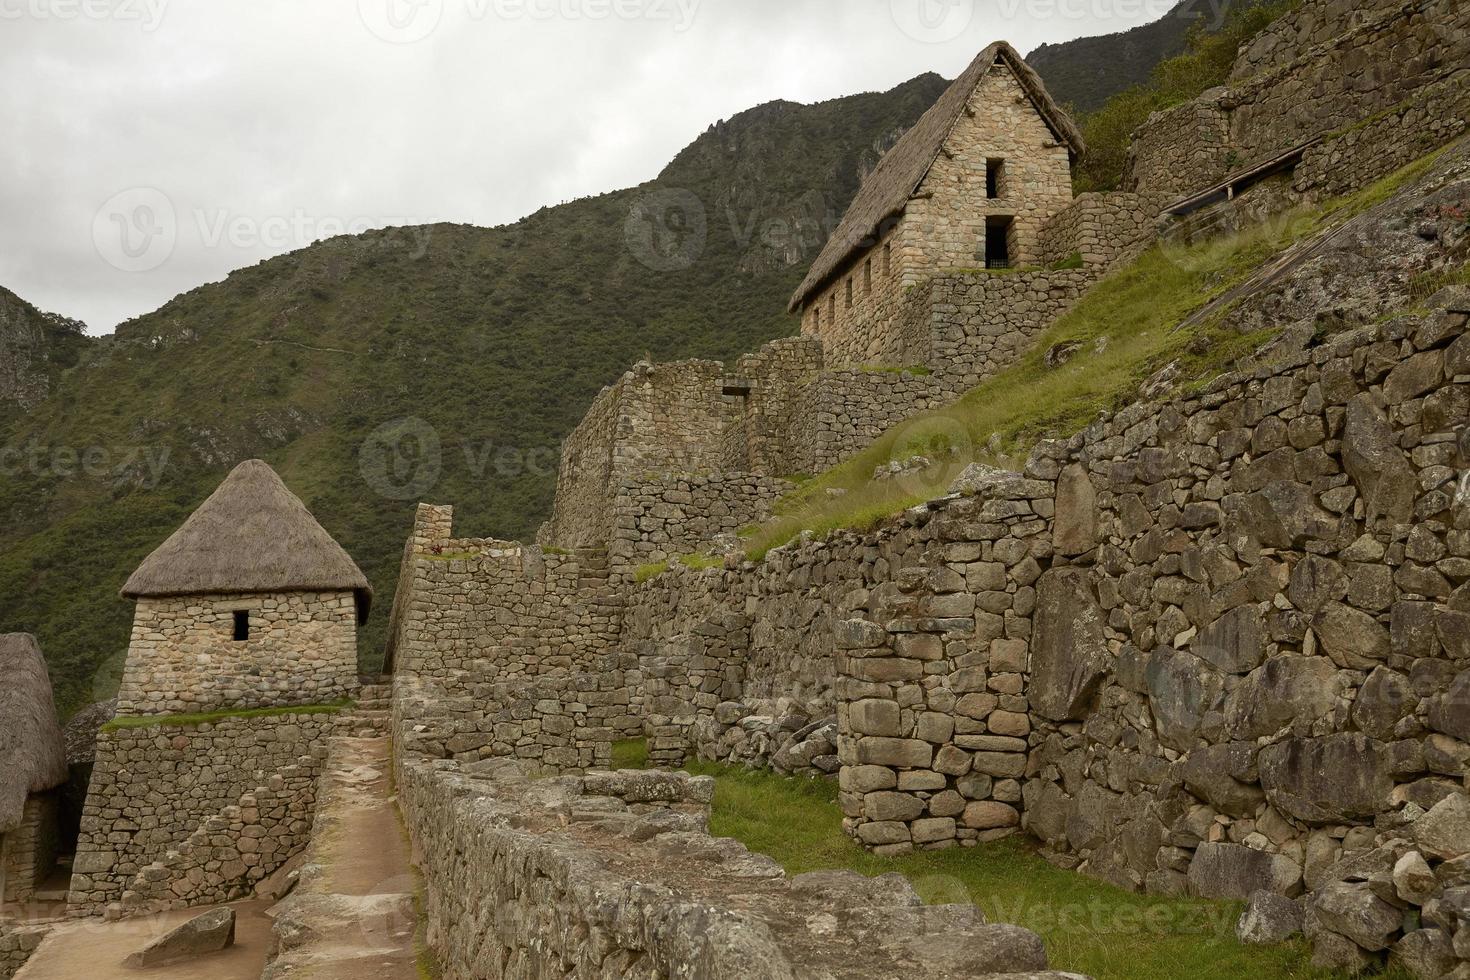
x: 149, y: 146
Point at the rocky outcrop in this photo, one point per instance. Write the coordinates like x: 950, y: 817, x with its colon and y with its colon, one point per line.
x: 34, y: 347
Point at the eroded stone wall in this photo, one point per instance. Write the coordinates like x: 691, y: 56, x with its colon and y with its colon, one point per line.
x: 17, y: 942
x: 660, y: 521
x: 183, y: 658
x: 30, y: 849
x: 153, y: 788
x: 1096, y: 229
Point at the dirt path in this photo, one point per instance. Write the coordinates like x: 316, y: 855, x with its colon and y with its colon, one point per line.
x: 354, y: 916
x: 90, y: 949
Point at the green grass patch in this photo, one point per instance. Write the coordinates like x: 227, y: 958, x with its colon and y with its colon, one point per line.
x: 631, y: 753
x: 643, y: 573
x: 1125, y: 328
x: 1073, y: 261
x: 1089, y: 927
x: 701, y: 563
x: 210, y: 717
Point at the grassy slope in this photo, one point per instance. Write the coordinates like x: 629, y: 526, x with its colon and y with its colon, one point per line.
x: 1125, y: 329
x: 1089, y: 926
x: 497, y: 338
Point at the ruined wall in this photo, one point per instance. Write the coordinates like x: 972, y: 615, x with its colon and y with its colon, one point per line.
x: 777, y: 375
x: 1322, y: 69
x: 182, y: 657
x: 154, y: 788
x: 842, y: 412
x: 515, y: 888
x: 30, y: 849
x: 499, y: 610
x: 1096, y: 228
x: 17, y: 942
x: 581, y: 514
x: 662, y: 520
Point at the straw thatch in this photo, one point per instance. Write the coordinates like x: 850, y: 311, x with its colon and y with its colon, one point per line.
x: 251, y: 535
x: 902, y: 169
x: 32, y: 751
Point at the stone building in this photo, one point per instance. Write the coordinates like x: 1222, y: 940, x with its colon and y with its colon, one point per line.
x: 32, y: 768
x: 250, y: 604
x: 971, y: 185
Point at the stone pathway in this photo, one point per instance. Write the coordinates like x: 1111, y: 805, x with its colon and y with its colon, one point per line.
x: 353, y: 915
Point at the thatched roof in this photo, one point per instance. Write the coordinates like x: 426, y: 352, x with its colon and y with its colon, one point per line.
x: 251, y: 535
x: 32, y: 751
x: 902, y: 169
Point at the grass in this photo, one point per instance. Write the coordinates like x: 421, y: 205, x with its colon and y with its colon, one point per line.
x: 701, y: 562
x: 210, y: 717
x: 1125, y: 328
x: 644, y: 573
x: 1089, y: 927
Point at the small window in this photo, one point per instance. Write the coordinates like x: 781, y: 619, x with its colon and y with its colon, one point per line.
x: 849, y: 292
x: 888, y: 259
x: 868, y: 278
x: 242, y: 625
x: 998, y: 243
x: 995, y: 175
x: 832, y: 307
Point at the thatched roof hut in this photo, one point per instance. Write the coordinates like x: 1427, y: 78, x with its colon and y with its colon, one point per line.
x: 251, y: 535
x: 886, y: 192
x: 32, y: 751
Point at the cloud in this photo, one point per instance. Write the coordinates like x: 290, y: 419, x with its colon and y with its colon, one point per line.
x: 154, y: 145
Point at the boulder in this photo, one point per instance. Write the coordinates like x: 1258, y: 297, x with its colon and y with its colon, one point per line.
x: 1444, y: 832
x: 1182, y: 690
x: 1352, y: 638
x: 203, y: 934
x: 1351, y: 909
x: 1413, y: 882
x: 1069, y: 654
x: 1269, y: 919
x: 1285, y: 691
x: 1425, y: 954
x: 1212, y: 772
x: 1383, y: 702
x: 1371, y: 456
x: 1235, y: 871
x: 1342, y: 778
x: 1235, y: 643
x: 1074, y: 529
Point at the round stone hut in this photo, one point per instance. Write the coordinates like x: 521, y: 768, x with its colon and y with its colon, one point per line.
x: 32, y: 767
x: 250, y: 604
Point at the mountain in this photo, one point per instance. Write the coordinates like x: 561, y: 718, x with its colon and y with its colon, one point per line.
x: 1087, y: 72
x: 35, y: 347
x: 440, y: 363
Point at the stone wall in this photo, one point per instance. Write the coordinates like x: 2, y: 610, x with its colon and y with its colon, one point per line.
x: 183, y: 658
x: 1096, y: 228
x: 1323, y: 69
x: 777, y: 374
x: 154, y: 788
x: 17, y: 942
x: 498, y: 610
x: 615, y: 875
x: 943, y: 228
x: 662, y: 520
x: 30, y: 849
x: 558, y: 723
x: 842, y: 412
x: 582, y: 511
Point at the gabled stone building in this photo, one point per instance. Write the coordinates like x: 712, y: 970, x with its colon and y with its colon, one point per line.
x: 32, y: 767
x: 970, y: 186
x: 250, y: 604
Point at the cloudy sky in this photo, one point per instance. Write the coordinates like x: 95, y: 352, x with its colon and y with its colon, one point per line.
x: 149, y: 146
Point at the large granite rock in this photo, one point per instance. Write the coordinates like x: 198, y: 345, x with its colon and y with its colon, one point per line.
x: 1372, y: 458
x: 1342, y: 778
x: 1237, y: 872
x: 1074, y: 531
x: 1444, y: 832
x: 1351, y: 909
x: 1183, y: 690
x: 203, y: 934
x: 1293, y: 692
x: 1069, y: 654
x: 1269, y: 919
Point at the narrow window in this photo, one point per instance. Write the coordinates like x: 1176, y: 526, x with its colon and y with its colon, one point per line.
x: 995, y: 175
x: 868, y: 278
x: 888, y: 259
x: 242, y: 625
x: 832, y: 308
x: 998, y: 243
x: 849, y: 292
